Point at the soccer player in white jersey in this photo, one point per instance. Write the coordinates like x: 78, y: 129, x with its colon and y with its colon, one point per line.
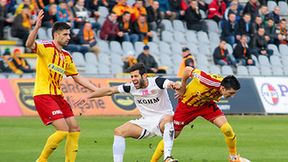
x: 152, y: 100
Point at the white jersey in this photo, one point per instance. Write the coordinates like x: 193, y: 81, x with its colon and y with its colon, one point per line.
x: 152, y: 100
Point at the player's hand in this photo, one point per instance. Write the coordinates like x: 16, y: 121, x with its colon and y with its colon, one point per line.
x: 179, y: 93
x: 81, y: 101
x: 39, y: 19
x: 176, y: 86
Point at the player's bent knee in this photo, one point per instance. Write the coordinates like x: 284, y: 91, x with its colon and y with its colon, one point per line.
x: 167, y: 119
x: 74, y: 129
x: 118, y: 132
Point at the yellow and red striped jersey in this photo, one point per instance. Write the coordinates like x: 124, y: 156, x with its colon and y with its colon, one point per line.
x: 202, y: 89
x: 51, y: 65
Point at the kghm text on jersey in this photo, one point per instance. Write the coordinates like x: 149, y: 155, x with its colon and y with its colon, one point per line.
x: 148, y: 101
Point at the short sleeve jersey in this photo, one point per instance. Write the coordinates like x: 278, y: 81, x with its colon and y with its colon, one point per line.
x: 152, y: 100
x: 51, y: 66
x: 202, y: 89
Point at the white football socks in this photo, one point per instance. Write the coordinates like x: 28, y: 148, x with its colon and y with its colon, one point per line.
x: 118, y: 148
x: 168, y: 138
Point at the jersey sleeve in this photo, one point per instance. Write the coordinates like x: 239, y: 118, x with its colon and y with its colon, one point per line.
x: 124, y: 88
x: 71, y: 69
x: 39, y: 48
x: 162, y: 83
x: 209, y: 80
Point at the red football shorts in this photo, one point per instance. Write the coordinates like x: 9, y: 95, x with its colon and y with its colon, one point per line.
x: 185, y: 114
x: 52, y: 107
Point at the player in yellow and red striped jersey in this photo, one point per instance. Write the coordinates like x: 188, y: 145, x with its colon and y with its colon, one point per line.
x: 53, y: 62
x: 198, y: 99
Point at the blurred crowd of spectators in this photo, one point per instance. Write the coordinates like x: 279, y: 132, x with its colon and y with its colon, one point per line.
x: 248, y: 28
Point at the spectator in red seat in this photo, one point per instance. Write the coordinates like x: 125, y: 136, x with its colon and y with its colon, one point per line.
x: 110, y: 29
x: 242, y: 53
x: 142, y: 29
x: 193, y: 18
x: 216, y: 10
x: 154, y: 17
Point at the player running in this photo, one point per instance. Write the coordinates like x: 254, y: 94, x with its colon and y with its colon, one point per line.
x: 152, y: 100
x: 197, y: 99
x: 53, y: 62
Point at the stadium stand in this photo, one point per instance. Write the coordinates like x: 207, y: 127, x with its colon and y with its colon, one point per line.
x: 166, y: 47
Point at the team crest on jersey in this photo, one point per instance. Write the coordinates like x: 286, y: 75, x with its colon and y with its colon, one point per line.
x: 122, y: 100
x: 145, y: 92
x: 62, y: 57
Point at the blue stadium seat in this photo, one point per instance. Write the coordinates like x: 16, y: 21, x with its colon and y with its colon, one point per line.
x: 168, y: 25
x: 253, y: 71
x: 78, y: 58
x: 91, y: 58
x: 277, y: 71
x: 179, y: 26
x: 115, y: 46
x: 214, y: 69
x: 227, y: 70
x: 242, y: 71
x: 191, y: 36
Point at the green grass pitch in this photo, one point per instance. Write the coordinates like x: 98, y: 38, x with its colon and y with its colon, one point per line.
x: 260, y: 139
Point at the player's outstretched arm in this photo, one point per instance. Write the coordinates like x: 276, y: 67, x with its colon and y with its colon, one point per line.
x: 84, y: 82
x: 187, y: 73
x: 99, y: 92
x: 30, y: 43
x: 174, y: 85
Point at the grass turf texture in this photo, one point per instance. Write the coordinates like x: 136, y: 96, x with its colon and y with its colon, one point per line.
x: 260, y: 139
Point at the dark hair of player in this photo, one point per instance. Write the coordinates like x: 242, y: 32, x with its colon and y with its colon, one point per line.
x: 230, y: 81
x: 59, y: 26
x: 138, y: 66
